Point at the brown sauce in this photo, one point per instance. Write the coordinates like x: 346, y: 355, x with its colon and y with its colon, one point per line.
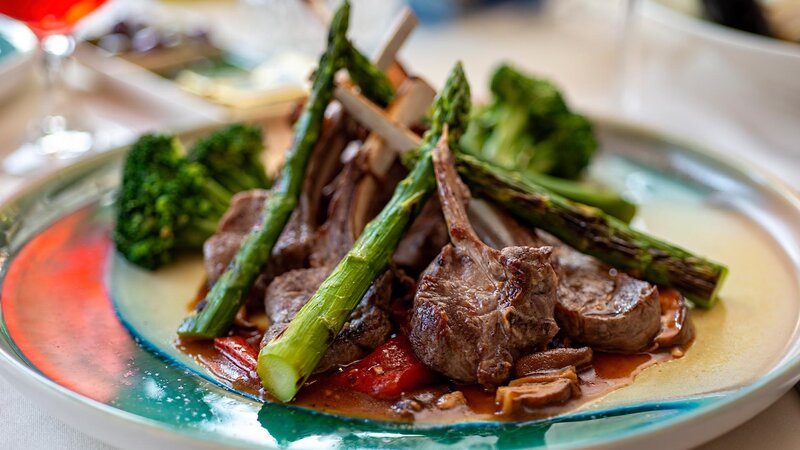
x: 199, y: 297
x: 607, y: 372
x: 204, y: 353
x: 676, y: 330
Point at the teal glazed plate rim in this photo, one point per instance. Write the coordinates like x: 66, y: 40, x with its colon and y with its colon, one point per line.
x: 89, y: 337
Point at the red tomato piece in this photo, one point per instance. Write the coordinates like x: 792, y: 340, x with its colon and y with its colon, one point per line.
x: 238, y: 350
x: 387, y: 372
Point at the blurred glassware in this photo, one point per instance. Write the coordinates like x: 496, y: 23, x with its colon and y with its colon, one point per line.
x: 778, y: 19
x: 55, y: 134
x: 767, y: 62
x: 17, y: 51
x: 627, y: 89
x: 778, y: 30
x: 745, y: 15
x: 443, y: 10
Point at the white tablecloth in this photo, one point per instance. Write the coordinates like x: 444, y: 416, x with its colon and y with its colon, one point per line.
x: 692, y: 92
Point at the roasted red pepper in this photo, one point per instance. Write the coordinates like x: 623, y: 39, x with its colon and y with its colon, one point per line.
x: 388, y: 371
x: 238, y: 351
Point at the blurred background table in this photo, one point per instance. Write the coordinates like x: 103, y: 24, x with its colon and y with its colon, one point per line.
x: 679, y: 84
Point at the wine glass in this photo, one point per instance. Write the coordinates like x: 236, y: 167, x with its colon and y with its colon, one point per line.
x: 53, y: 135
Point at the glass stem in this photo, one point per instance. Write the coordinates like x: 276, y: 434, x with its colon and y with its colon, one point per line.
x: 627, y: 90
x: 56, y: 48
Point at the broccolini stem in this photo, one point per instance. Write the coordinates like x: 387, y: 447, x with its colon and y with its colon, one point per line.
x: 196, y: 234
x: 227, y: 294
x: 244, y: 182
x: 218, y: 195
x: 286, y: 362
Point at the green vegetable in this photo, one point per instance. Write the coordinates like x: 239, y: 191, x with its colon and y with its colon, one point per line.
x: 165, y: 202
x: 227, y: 294
x: 232, y: 156
x: 595, y: 233
x: 372, y: 82
x: 529, y: 127
x: 286, y: 362
x: 599, y: 197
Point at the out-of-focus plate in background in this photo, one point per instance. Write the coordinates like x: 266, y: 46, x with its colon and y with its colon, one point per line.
x: 772, y: 60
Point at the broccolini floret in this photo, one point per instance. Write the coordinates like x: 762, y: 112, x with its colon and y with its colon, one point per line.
x: 528, y: 127
x: 165, y: 203
x: 232, y: 157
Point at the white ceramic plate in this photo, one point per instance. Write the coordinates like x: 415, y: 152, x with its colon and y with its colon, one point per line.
x: 69, y: 306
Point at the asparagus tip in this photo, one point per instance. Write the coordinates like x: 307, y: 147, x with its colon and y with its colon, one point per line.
x: 708, y: 303
x: 624, y: 210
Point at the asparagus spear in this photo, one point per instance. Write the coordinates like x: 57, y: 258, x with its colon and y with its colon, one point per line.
x: 372, y: 82
x: 286, y: 362
x: 595, y: 233
x: 609, y: 202
x: 226, y: 297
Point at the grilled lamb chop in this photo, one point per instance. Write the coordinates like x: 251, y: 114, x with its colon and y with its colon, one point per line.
x: 293, y: 247
x: 369, y: 323
x: 603, y: 308
x: 242, y: 215
x: 476, y: 308
x: 219, y: 249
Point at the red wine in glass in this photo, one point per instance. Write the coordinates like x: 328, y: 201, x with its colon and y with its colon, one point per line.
x: 49, y: 16
x: 54, y: 136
